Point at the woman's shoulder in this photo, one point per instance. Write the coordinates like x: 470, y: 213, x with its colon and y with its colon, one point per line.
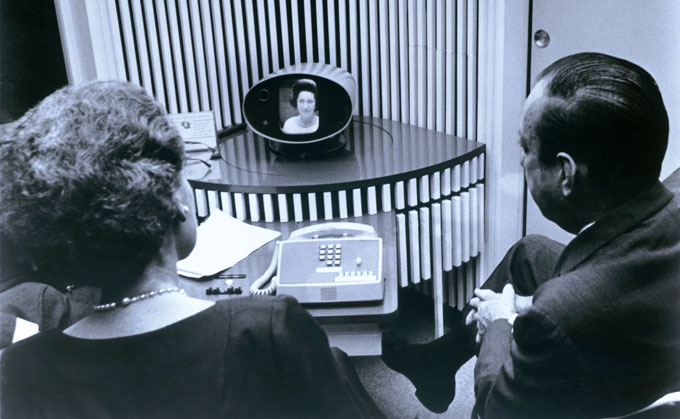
x: 259, y: 304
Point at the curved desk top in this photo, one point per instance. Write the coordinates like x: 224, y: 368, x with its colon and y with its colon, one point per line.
x: 377, y: 151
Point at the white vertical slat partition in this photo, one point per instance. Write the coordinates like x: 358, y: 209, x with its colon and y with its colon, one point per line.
x: 420, y: 62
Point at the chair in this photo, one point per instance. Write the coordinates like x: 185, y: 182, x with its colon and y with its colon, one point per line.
x: 667, y: 407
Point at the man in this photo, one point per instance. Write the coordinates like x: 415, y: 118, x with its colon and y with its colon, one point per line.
x: 596, y: 330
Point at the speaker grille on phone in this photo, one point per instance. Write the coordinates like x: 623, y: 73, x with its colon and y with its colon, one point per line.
x: 329, y: 294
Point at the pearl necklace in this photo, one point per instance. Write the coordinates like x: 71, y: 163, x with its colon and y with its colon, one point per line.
x: 129, y: 300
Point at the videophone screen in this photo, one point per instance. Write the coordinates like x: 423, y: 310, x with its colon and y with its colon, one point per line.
x: 298, y: 106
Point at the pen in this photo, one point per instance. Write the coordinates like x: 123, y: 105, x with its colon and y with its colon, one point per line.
x: 232, y: 276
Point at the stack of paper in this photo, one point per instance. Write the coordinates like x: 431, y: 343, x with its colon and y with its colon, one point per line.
x: 222, y: 242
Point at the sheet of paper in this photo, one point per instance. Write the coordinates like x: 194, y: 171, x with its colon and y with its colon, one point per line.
x: 222, y: 242
x: 24, y: 329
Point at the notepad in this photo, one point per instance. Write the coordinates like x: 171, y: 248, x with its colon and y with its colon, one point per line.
x: 222, y: 241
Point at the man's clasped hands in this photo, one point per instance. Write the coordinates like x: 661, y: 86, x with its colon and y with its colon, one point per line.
x: 489, y: 306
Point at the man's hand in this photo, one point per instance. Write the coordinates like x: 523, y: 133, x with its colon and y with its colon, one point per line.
x: 489, y: 306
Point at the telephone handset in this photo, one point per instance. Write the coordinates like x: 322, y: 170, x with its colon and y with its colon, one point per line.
x: 328, y: 262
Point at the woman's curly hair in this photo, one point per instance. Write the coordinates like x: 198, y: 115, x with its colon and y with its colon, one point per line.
x: 87, y: 182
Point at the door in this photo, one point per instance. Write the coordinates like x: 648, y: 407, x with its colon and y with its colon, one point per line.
x: 642, y: 31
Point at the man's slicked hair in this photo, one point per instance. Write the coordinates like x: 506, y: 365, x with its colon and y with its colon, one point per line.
x: 610, y: 116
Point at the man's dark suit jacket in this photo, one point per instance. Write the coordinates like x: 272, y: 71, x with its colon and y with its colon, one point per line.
x: 602, y: 337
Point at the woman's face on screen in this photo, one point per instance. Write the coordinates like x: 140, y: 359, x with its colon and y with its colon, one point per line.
x: 306, y: 103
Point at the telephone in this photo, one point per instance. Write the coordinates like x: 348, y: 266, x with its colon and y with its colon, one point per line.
x: 337, y: 262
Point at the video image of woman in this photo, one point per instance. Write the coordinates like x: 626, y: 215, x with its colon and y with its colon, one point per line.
x: 303, y: 99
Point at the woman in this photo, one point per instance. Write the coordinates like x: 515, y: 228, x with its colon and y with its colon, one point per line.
x: 91, y: 187
x: 304, y: 100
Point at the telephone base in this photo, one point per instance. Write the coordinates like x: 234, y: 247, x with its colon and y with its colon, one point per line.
x: 342, y: 293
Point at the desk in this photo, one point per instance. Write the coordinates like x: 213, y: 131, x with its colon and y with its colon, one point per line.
x: 353, y: 328
x: 430, y: 183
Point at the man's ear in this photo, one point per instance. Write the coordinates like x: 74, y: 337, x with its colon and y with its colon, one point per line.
x: 567, y: 167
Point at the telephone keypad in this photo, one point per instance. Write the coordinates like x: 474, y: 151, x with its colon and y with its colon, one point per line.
x: 331, y: 254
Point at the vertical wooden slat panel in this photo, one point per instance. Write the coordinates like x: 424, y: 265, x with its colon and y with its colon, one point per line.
x: 221, y: 63
x: 461, y: 86
x: 332, y: 41
x: 465, y: 174
x: 474, y: 221
x: 399, y: 195
x: 402, y: 252
x: 309, y: 35
x: 320, y: 38
x: 372, y: 199
x: 386, y: 196
x: 414, y: 246
x: 365, y: 49
x: 285, y: 42
x: 421, y: 42
x: 392, y: 20
x: 481, y: 233
x: 342, y: 30
x: 354, y: 48
x: 440, y: 59
x: 177, y: 62
x: 437, y: 274
x: 272, y: 18
x: 240, y: 206
x: 471, y: 54
x: 450, y: 67
x: 465, y: 226
x: 457, y: 230
x: 154, y: 52
x: 412, y: 63
x: 474, y: 171
x: 212, y: 93
x: 283, y: 208
x: 225, y: 199
x: 431, y: 45
x: 435, y: 186
x: 356, y: 202
x: 295, y: 27
x: 140, y: 41
x: 328, y: 206
x: 425, y: 256
x: 374, y: 51
x: 482, y: 48
x: 456, y: 178
x: 342, y: 204
x: 480, y: 166
x: 268, y: 205
x: 166, y: 55
x: 232, y: 58
x: 297, y: 207
x: 424, y: 188
x: 447, y: 235
x: 201, y: 76
x: 129, y: 41
x: 446, y: 182
x: 384, y: 49
x: 241, y: 45
x: 311, y: 204
x: 252, y: 42
x: 404, y: 56
x: 263, y: 51
x: 412, y: 192
x: 254, y: 207
x: 116, y: 40
x: 213, y: 201
x: 201, y: 203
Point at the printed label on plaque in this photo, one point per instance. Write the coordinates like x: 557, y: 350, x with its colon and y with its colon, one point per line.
x: 197, y: 129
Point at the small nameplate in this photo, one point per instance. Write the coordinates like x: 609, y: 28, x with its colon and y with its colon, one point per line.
x: 196, y: 128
